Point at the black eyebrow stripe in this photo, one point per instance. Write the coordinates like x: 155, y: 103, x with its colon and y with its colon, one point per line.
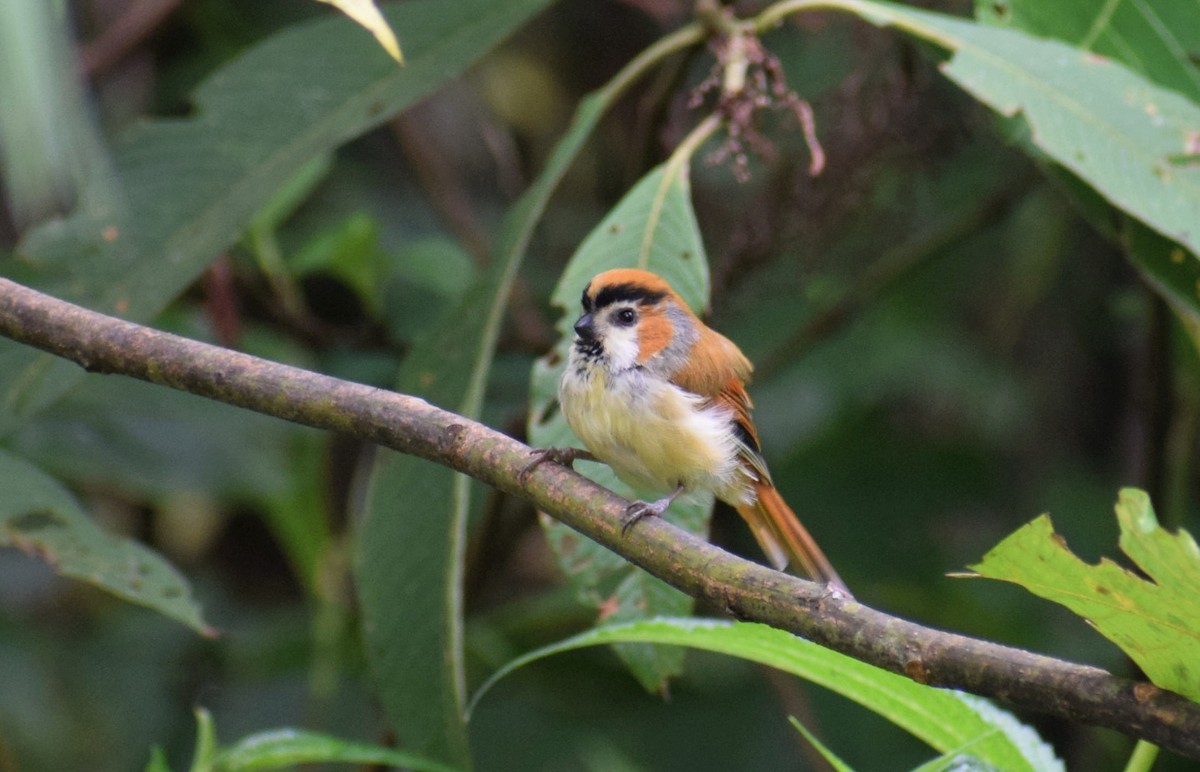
x: 586, y: 301
x: 630, y: 292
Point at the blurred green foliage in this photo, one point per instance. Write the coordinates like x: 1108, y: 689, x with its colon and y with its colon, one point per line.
x: 952, y: 336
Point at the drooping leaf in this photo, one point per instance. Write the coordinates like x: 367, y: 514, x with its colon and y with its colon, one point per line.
x: 191, y: 186
x: 944, y: 719
x: 1158, y: 39
x: 411, y: 542
x: 1155, y: 620
x: 128, y: 433
x: 39, y: 516
x: 652, y: 227
x: 1134, y: 142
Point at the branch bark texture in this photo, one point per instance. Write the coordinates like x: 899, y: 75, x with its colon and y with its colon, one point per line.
x: 749, y: 591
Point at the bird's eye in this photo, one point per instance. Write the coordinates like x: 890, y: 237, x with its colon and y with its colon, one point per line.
x: 626, y: 317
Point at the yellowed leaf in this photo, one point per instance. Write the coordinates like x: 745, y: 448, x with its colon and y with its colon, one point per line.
x: 366, y: 13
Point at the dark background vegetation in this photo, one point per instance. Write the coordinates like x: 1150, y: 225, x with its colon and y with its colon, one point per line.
x: 946, y: 350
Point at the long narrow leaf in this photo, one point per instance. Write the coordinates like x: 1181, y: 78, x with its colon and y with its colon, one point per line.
x: 652, y: 227
x: 409, y: 562
x: 944, y: 719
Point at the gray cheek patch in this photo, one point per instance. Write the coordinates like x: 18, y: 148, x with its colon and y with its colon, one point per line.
x: 674, y: 356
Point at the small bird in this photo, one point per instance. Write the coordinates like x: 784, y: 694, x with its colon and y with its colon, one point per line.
x: 661, y: 398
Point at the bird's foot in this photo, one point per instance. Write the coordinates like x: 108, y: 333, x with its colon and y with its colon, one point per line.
x: 639, y: 509
x: 562, y: 456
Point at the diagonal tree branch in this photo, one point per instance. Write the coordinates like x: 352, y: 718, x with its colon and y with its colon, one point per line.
x: 1077, y: 692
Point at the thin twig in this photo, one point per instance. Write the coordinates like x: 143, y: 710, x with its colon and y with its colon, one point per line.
x: 1076, y: 692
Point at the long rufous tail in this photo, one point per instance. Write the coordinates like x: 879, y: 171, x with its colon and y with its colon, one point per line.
x: 784, y: 539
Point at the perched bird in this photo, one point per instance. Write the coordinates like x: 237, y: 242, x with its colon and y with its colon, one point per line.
x: 660, y: 397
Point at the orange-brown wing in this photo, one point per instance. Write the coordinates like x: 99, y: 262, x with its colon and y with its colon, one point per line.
x: 713, y: 363
x: 717, y: 369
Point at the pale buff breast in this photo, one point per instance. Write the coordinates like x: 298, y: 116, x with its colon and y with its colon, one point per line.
x: 653, y: 434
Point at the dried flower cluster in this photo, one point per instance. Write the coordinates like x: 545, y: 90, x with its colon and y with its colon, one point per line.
x: 750, y: 78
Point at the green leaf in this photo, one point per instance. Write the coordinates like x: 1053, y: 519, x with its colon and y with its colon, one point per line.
x: 205, y: 753
x: 158, y: 760
x: 956, y: 762
x: 1155, y: 621
x: 40, y: 517
x: 278, y: 748
x: 829, y: 756
x: 652, y: 227
x: 1166, y: 268
x: 944, y: 719
x: 409, y: 563
x: 1156, y: 38
x: 409, y: 588
x: 281, y: 748
x: 1124, y: 136
x: 411, y: 542
x: 160, y: 444
x: 191, y: 186
x: 49, y: 137
x: 1152, y: 37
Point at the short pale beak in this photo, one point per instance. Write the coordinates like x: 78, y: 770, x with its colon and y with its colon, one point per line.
x: 585, y: 328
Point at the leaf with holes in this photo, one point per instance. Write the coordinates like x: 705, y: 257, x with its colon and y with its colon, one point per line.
x: 1157, y: 38
x: 1136, y: 143
x: 1155, y: 620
